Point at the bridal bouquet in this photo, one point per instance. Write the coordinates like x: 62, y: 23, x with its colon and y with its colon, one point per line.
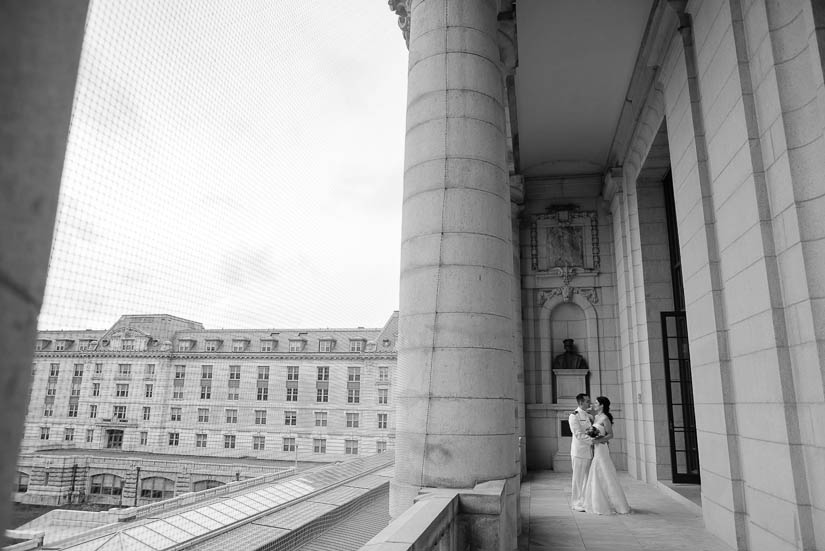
x: 594, y: 431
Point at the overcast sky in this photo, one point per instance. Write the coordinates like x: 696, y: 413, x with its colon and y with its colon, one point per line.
x: 238, y: 163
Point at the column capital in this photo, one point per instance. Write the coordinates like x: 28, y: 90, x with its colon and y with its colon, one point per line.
x: 402, y: 10
x: 517, y: 189
x: 613, y: 183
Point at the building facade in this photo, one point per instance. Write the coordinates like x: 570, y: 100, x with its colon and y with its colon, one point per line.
x: 164, y: 385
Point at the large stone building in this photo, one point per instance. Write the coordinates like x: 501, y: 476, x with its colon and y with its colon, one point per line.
x: 643, y: 176
x: 158, y: 384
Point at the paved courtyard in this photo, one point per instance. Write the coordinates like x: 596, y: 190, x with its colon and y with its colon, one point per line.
x: 658, y: 522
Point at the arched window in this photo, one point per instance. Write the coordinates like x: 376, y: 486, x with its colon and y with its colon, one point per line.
x: 21, y: 483
x: 157, y: 487
x: 106, y: 485
x: 205, y: 485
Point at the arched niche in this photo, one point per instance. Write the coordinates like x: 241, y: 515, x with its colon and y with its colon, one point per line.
x: 571, y: 313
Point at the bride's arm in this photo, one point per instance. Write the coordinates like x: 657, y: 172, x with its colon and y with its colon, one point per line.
x: 608, y: 431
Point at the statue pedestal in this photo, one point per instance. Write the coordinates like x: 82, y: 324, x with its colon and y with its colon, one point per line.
x: 569, y: 383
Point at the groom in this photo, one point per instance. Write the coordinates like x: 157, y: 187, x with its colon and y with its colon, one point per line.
x: 581, y: 448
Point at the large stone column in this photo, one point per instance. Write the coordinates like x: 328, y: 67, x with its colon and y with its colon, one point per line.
x: 456, y: 385
x: 40, y: 46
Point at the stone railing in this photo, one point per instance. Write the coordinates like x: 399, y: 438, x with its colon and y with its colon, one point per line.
x: 451, y: 520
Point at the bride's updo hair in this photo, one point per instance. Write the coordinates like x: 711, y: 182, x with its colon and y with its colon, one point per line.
x: 605, y: 403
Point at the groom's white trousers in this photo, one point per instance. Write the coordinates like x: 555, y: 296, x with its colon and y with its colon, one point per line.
x: 581, y: 466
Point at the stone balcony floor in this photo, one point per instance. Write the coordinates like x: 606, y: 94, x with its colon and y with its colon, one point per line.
x: 658, y: 522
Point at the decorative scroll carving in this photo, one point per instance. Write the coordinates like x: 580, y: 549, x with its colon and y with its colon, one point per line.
x: 565, y: 237
x: 566, y: 293
x: 402, y: 10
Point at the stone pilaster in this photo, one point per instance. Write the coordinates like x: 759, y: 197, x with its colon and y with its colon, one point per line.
x: 516, y: 206
x: 456, y: 386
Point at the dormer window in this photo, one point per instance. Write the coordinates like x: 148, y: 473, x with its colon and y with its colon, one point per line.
x: 239, y: 345
x: 85, y: 344
x: 386, y: 343
x: 356, y: 345
x: 297, y: 345
x: 42, y: 344
x: 63, y: 344
x: 212, y: 345
x: 127, y: 344
x: 268, y: 344
x: 185, y: 345
x: 326, y: 345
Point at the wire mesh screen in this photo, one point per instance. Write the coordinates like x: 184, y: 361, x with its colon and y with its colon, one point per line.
x: 230, y: 165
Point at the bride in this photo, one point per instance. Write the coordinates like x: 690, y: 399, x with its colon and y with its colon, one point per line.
x: 603, y: 495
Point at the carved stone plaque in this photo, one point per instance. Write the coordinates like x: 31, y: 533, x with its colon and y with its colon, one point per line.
x: 565, y: 246
x: 565, y: 237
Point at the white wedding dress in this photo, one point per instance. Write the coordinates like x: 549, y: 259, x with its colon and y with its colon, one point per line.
x: 603, y: 495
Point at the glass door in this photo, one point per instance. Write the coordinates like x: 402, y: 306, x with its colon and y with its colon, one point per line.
x: 684, y: 451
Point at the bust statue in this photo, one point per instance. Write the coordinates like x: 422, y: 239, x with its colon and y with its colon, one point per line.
x: 569, y: 359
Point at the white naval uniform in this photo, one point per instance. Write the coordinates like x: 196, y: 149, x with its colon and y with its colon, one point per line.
x: 581, y: 453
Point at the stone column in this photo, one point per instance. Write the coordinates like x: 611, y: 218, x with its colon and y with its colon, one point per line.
x: 516, y: 206
x: 456, y: 386
x: 40, y: 46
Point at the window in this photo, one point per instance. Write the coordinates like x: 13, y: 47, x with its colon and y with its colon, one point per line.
x: 98, y: 370
x: 60, y: 346
x: 234, y: 373
x: 51, y: 388
x: 206, y: 372
x: 233, y: 393
x: 175, y: 414
x: 319, y: 445
x: 238, y: 346
x: 149, y: 370
x: 90, y: 435
x: 39, y: 345
x: 352, y: 420
x: 73, y: 409
x: 106, y: 485
x: 323, y: 373
x: 54, y: 370
x: 21, y: 482
x: 266, y: 345
x: 263, y: 372
x: 383, y: 395
x: 291, y: 418
x: 177, y: 389
x: 75, y: 389
x: 184, y: 346
x: 201, y: 485
x: 320, y: 418
x: 296, y: 346
x: 292, y: 373
x: 206, y: 390
x: 93, y: 411
x: 157, y: 487
x: 382, y: 420
x: 180, y: 372
x: 124, y: 370
x: 144, y: 438
x: 119, y: 412
x: 289, y: 444
x: 380, y: 446
x: 200, y: 440
x: 322, y: 395
x: 147, y: 413
x: 292, y: 395
x: 44, y: 433
x: 260, y: 417
x: 48, y: 409
x: 232, y: 416
x: 149, y: 390
x: 263, y: 393
x: 351, y: 447
x: 356, y: 345
x: 383, y: 374
x: 354, y: 374
x: 128, y: 344
x: 203, y: 415
x: 68, y: 434
x: 258, y: 442
x: 228, y: 441
x: 78, y: 370
x: 121, y: 391
x: 353, y: 396
x: 325, y: 346
x: 174, y: 438
x: 95, y: 389
x: 211, y: 346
